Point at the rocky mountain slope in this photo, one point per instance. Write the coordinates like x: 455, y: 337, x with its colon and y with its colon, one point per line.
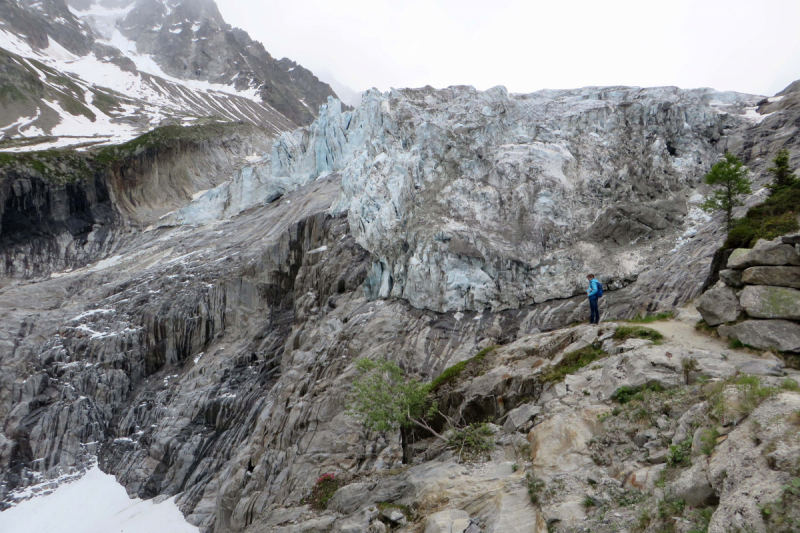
x: 99, y: 73
x: 199, y: 334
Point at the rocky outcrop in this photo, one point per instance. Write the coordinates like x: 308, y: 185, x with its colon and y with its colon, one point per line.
x: 768, y: 274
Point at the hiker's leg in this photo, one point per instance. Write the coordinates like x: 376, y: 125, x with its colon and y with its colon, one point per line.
x: 594, y: 316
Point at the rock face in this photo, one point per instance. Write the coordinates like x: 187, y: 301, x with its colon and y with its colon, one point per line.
x: 719, y: 305
x: 208, y: 355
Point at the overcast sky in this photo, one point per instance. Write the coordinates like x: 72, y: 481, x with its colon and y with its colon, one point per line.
x: 744, y: 45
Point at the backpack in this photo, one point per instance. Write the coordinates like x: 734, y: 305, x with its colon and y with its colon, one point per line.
x: 599, y: 287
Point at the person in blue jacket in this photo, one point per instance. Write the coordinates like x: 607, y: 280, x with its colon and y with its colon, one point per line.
x: 595, y: 291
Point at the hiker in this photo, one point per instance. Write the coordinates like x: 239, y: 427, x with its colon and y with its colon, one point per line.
x: 595, y: 292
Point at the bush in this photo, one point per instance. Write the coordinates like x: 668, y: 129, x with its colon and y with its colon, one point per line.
x: 571, y: 363
x: 473, y: 442
x: 324, y: 489
x: 638, y: 332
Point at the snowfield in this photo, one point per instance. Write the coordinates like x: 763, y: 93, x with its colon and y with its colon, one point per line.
x: 112, y: 511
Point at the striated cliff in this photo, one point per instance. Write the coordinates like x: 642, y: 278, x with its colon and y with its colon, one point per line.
x: 208, y: 352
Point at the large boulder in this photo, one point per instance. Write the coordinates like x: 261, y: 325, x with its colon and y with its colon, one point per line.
x: 763, y: 301
x: 559, y: 444
x: 764, y: 253
x: 693, y: 487
x: 765, y: 334
x: 779, y: 276
x: 719, y: 305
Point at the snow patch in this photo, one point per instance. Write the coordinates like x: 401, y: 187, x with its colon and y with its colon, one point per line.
x: 111, y: 510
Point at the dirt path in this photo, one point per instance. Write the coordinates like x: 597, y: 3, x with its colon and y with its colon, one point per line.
x: 685, y: 335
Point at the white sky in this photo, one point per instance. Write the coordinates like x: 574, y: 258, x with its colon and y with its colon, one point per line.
x: 744, y: 45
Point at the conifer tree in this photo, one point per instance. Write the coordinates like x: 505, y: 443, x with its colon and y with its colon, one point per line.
x: 783, y: 175
x: 730, y: 178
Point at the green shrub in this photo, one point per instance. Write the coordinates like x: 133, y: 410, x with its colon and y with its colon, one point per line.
x: 571, y: 363
x: 324, y: 489
x: 680, y: 454
x: 773, y: 218
x: 637, y: 332
x: 473, y: 442
x: 627, y: 394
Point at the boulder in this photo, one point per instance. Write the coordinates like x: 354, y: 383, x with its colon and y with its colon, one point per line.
x: 738, y: 259
x: 645, y: 478
x: 778, y: 276
x: 719, y: 305
x: 693, y: 487
x: 731, y: 278
x: 765, y: 334
x: 449, y: 521
x: 520, y: 416
x: 762, y: 301
x: 794, y: 238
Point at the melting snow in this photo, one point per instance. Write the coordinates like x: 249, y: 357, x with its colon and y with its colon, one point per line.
x: 111, y: 510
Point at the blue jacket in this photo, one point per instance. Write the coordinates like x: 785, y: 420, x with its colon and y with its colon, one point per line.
x: 593, y: 288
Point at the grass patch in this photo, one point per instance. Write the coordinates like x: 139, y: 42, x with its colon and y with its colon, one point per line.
x: 773, y: 218
x: 737, y: 397
x: 637, y: 332
x: 166, y: 136
x: 627, y: 394
x: 382, y: 506
x: 59, y: 166
x: 649, y: 319
x: 571, y: 363
x: 451, y: 374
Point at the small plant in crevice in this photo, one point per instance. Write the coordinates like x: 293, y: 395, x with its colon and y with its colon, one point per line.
x: 536, y: 488
x: 688, y: 365
x: 680, y: 454
x: 708, y: 441
x: 324, y: 489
